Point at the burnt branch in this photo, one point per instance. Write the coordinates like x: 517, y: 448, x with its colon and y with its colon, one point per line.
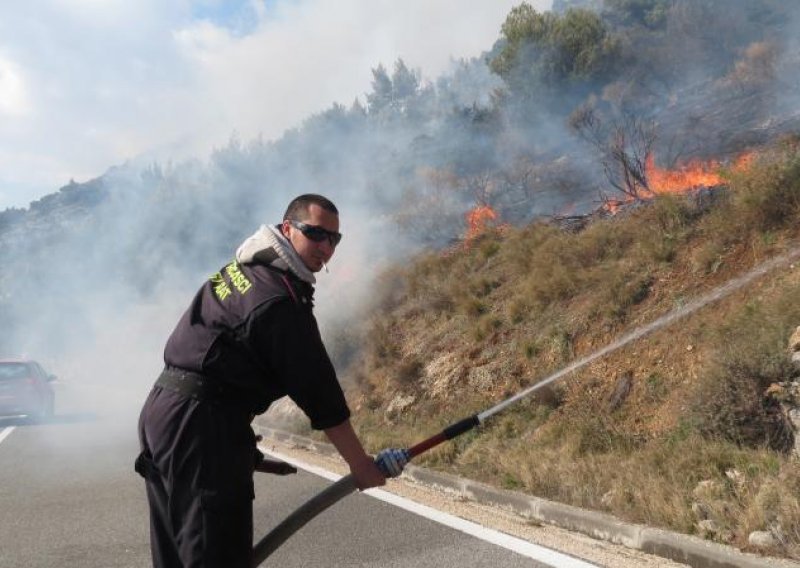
x: 481, y: 188
x: 625, y: 145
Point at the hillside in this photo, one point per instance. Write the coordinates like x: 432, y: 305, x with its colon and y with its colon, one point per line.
x: 675, y: 429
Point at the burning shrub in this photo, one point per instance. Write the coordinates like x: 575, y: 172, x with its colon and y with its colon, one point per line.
x: 625, y: 145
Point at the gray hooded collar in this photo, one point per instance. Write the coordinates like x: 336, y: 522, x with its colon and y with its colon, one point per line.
x: 268, y: 246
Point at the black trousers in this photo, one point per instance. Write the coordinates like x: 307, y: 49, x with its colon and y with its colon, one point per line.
x: 197, y: 461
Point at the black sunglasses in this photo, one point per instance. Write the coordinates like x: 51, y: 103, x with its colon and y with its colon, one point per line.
x: 317, y: 233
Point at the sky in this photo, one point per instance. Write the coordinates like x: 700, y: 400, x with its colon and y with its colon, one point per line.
x: 89, y: 84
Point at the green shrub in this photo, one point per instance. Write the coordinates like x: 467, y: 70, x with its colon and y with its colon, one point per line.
x: 601, y: 242
x: 382, y: 345
x: 485, y: 326
x: 561, y: 344
x: 518, y: 309
x: 489, y: 248
x: 618, y: 288
x: 729, y: 403
x: 655, y: 388
x: 472, y: 306
x: 671, y: 213
x: 531, y: 349
x: 708, y: 258
x: 553, y: 282
x: 766, y: 197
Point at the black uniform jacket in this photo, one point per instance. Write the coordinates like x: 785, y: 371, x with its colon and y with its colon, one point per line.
x: 252, y: 328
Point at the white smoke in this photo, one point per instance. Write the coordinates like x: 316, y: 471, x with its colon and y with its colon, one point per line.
x: 105, y: 82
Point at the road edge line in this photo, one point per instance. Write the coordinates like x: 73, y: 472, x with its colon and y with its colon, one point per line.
x: 6, y: 432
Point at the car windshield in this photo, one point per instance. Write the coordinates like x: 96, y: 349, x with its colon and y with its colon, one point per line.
x: 10, y: 371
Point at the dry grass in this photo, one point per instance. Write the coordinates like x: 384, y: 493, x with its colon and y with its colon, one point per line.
x: 665, y: 431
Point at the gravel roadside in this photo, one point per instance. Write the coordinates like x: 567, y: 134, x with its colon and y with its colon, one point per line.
x: 581, y: 546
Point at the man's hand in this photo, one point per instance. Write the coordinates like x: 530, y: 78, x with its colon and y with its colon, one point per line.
x: 367, y: 473
x: 391, y: 461
x: 364, y: 469
x: 277, y: 467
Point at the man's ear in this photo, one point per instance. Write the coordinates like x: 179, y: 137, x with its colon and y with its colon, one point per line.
x: 285, y: 227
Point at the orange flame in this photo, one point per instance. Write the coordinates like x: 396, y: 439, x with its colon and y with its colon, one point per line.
x: 479, y: 220
x: 744, y: 161
x: 613, y: 205
x: 692, y: 175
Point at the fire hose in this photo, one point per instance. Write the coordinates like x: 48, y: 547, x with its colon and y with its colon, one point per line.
x: 343, y: 488
x: 347, y: 485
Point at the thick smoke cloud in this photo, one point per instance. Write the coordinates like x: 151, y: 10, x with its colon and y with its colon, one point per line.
x: 86, y: 84
x: 97, y: 275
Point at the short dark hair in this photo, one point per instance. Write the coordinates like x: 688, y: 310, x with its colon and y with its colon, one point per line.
x: 298, y: 208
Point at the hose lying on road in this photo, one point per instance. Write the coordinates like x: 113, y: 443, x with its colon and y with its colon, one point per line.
x: 294, y: 522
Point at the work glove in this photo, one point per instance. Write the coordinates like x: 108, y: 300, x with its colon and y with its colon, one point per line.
x: 391, y: 461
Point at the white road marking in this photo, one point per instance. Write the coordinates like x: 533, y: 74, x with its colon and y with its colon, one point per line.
x: 523, y: 547
x: 5, y: 432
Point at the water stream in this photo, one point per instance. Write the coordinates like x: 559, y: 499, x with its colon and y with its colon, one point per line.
x: 665, y: 320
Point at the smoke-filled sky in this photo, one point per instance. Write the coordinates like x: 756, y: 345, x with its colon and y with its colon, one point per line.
x: 87, y: 84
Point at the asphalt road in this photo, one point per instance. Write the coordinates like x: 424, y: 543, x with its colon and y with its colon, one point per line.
x: 69, y: 497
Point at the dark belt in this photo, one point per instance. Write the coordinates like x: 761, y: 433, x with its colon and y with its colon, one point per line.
x: 193, y: 385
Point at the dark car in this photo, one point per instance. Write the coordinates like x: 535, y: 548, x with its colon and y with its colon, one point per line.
x: 25, y: 389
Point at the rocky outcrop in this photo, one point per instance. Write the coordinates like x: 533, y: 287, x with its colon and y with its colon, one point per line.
x: 794, y: 350
x: 762, y: 540
x: 787, y: 393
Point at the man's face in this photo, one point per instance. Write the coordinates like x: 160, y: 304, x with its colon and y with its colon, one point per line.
x: 313, y: 253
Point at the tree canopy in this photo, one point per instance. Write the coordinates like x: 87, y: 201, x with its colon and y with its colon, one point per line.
x: 545, y: 53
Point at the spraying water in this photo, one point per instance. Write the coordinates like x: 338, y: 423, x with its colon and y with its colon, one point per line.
x: 716, y: 294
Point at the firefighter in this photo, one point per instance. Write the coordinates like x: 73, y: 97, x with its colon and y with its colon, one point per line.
x: 248, y: 338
